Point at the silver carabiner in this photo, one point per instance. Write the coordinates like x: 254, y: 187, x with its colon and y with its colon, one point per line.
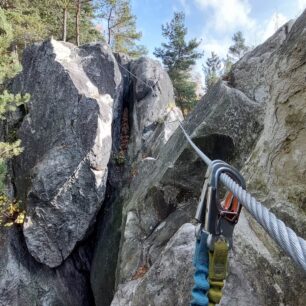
x: 215, y: 219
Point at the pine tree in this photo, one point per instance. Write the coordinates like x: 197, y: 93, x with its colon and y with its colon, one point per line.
x: 121, y: 32
x: 227, y: 65
x: 185, y: 91
x: 178, y: 56
x: 10, y: 211
x: 212, y: 70
x: 80, y: 26
x: 36, y: 20
x: 65, y: 6
x: 8, y: 102
x: 239, y: 48
x: 78, y: 4
x: 26, y: 23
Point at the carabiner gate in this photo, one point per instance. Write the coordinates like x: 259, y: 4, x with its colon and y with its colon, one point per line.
x: 217, y: 217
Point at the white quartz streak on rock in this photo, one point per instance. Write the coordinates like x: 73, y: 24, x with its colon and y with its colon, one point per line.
x: 71, y: 113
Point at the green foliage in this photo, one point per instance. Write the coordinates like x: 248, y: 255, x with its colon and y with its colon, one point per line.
x: 8, y: 64
x: 178, y: 56
x: 50, y: 15
x: 228, y: 63
x: 3, y: 172
x: 26, y: 23
x: 65, y: 3
x: 76, y: 21
x: 212, y: 70
x: 121, y: 33
x: 35, y: 20
x: 9, y: 150
x: 27, y: 26
x: 120, y: 158
x: 8, y: 101
x: 88, y: 31
x: 239, y: 48
x: 11, y: 212
x: 185, y: 91
x: 6, y: 31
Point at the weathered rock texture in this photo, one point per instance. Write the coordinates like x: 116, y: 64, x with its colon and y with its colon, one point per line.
x: 151, y: 123
x: 164, y: 194
x: 67, y: 139
x: 76, y: 95
x: 71, y: 137
x: 227, y: 125
x: 276, y: 168
x: 165, y: 184
x: 102, y: 144
x: 152, y: 108
x: 162, y: 285
x: 25, y: 282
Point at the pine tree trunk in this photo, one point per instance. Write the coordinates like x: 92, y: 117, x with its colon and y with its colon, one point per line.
x: 109, y: 28
x: 65, y: 15
x: 109, y: 36
x: 77, y: 22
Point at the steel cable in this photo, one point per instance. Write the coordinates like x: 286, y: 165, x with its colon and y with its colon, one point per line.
x: 293, y: 245
x: 286, y: 238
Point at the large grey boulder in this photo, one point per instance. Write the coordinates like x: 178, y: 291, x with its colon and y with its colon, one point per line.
x: 254, y: 64
x: 259, y: 274
x: 144, y: 241
x: 152, y: 108
x: 67, y: 141
x: 25, y: 282
x: 151, y: 123
x: 169, y: 280
x: 164, y: 194
x: 259, y: 125
x: 276, y: 176
x: 278, y: 161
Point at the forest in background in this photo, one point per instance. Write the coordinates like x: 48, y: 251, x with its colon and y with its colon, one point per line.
x: 112, y: 21
x: 24, y: 22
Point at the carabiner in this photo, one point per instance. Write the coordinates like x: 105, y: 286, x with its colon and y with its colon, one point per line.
x: 200, y: 213
x: 215, y: 216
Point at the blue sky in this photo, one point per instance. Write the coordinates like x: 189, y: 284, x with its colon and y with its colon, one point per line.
x: 215, y: 21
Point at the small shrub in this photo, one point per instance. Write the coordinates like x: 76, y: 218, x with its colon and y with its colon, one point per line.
x: 11, y: 212
x: 120, y: 158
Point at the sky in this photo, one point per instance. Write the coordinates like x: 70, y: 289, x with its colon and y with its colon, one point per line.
x: 215, y: 21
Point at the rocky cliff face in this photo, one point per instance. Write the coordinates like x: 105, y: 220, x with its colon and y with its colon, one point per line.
x: 111, y: 185
x: 67, y: 139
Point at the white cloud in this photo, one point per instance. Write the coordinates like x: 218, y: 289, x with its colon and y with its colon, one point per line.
x: 185, y: 6
x: 220, y: 47
x: 301, y: 5
x: 272, y: 25
x: 182, y: 5
x: 225, y: 17
x: 228, y: 14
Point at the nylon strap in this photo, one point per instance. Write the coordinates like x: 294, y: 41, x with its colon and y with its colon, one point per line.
x: 217, y: 271
x: 201, y: 262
